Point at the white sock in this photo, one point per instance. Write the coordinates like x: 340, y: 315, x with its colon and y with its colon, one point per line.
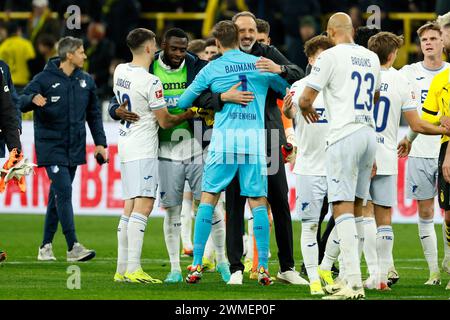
x: 172, y: 229
x: 428, y: 239
x: 122, y: 245
x: 310, y: 249
x: 250, y: 240
x: 359, y: 223
x: 446, y: 238
x: 385, y: 244
x: 370, y: 246
x: 332, y: 251
x: 218, y: 234
x: 209, y: 249
x: 341, y: 267
x: 186, y: 224
x: 136, y: 231
x: 349, y: 240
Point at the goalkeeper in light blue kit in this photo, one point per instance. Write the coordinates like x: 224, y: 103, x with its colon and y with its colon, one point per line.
x: 237, y: 143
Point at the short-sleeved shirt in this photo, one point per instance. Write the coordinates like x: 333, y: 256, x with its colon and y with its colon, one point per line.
x: 349, y: 75
x: 144, y: 92
x: 437, y: 101
x: 311, y: 137
x: 396, y: 95
x: 424, y: 146
x: 237, y: 128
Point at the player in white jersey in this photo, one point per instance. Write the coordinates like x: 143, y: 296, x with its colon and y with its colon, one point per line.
x: 138, y: 150
x: 397, y: 95
x: 311, y: 182
x: 422, y: 169
x: 349, y: 76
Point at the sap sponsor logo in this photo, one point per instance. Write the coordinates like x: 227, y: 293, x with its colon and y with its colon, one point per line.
x: 423, y: 95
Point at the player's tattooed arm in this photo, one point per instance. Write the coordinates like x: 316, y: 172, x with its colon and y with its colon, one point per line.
x: 289, y: 109
x: 445, y: 122
x: 305, y: 103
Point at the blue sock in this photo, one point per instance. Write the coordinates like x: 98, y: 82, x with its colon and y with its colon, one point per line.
x: 202, y: 230
x: 262, y: 235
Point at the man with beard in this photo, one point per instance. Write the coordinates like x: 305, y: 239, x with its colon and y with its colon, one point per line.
x: 272, y: 61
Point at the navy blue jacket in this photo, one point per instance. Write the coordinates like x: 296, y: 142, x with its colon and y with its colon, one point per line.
x: 4, y: 69
x: 59, y: 126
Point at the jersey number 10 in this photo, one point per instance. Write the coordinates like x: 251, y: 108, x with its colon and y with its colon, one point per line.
x: 121, y: 99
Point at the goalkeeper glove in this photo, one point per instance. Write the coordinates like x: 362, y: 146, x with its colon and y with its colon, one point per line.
x: 206, y: 115
x: 15, y: 169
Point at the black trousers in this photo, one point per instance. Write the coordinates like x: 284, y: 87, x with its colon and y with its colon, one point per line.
x: 277, y: 197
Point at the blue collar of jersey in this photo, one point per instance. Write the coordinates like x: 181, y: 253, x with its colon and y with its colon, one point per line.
x: 231, y: 51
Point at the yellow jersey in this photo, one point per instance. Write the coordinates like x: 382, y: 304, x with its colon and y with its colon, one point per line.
x: 16, y: 51
x: 436, y: 104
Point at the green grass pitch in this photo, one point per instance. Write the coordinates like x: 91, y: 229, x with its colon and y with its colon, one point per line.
x: 23, y: 277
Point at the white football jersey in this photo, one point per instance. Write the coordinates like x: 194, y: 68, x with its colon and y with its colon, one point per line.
x: 144, y: 92
x: 424, y: 146
x: 349, y: 75
x: 396, y: 95
x: 311, y: 138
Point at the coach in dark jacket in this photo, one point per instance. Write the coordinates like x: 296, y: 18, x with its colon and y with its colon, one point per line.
x: 6, y: 75
x: 277, y: 183
x: 63, y: 99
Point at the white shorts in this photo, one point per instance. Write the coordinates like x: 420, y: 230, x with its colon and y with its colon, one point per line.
x: 139, y: 178
x: 349, y: 164
x: 421, y: 178
x: 172, y: 178
x: 383, y: 190
x: 310, y: 190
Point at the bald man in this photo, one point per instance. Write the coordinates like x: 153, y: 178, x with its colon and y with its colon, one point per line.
x: 350, y: 90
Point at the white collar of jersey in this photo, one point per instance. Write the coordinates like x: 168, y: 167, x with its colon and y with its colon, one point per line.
x: 166, y: 67
x: 433, y: 70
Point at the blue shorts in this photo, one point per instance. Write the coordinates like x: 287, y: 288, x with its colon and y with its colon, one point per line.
x: 220, y: 168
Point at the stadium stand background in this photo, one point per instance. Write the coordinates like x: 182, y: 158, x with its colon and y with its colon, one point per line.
x: 105, y: 23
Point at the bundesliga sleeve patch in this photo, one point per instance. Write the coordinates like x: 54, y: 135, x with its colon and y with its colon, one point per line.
x: 158, y: 94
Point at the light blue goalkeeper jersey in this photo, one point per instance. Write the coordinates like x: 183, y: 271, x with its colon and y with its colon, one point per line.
x: 237, y: 128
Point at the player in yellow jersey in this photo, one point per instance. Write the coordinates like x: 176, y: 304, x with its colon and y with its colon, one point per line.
x: 436, y: 110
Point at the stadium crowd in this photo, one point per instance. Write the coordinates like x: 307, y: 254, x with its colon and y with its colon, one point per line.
x: 27, y: 44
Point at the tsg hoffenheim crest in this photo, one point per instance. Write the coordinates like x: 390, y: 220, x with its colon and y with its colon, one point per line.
x: 83, y: 83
